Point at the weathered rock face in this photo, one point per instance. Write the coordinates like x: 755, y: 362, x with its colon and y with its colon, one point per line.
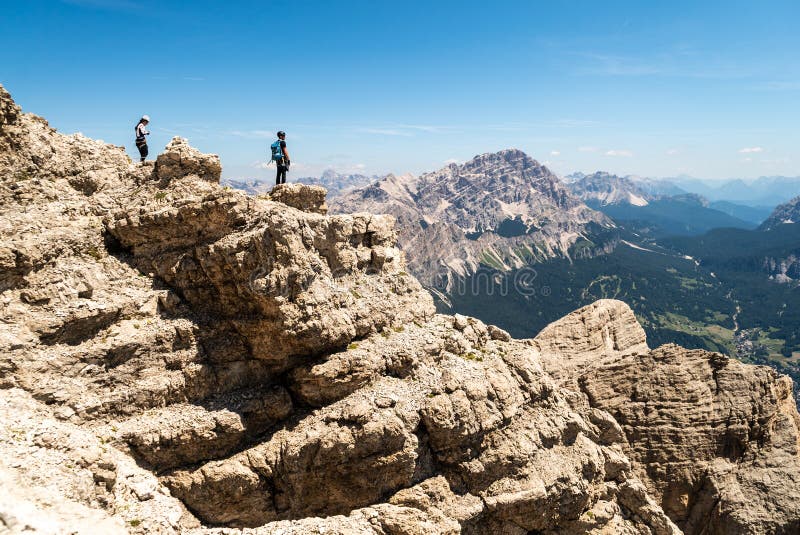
x: 716, y: 442
x: 305, y: 198
x: 176, y: 356
x: 180, y: 159
x: 502, y: 210
x: 287, y: 283
x: 581, y: 339
x: 440, y: 404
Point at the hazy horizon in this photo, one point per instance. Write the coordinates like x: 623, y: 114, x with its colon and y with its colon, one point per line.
x: 630, y: 88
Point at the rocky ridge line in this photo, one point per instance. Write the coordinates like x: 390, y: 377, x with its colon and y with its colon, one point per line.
x: 498, y: 211
x: 177, y: 356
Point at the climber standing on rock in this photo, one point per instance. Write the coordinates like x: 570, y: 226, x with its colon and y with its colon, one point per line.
x: 141, y: 132
x: 281, y: 157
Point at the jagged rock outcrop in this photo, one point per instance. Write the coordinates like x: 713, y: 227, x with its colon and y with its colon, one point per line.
x: 581, y: 339
x: 304, y: 198
x: 717, y: 442
x: 197, y: 361
x: 180, y: 159
x: 286, y: 282
x: 454, y: 403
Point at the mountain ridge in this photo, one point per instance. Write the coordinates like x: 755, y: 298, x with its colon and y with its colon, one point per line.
x: 784, y: 214
x: 179, y: 357
x: 501, y: 209
x: 630, y: 203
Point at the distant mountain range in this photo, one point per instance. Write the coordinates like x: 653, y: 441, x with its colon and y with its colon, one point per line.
x: 650, y: 186
x: 644, y: 207
x: 605, y: 189
x: 504, y: 239
x: 336, y: 183
x: 764, y: 191
x: 522, y: 247
x: 502, y: 210
x: 251, y: 186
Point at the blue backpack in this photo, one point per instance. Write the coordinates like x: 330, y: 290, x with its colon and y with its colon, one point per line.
x: 277, y: 153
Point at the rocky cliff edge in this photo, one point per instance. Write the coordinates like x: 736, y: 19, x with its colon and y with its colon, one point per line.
x: 179, y: 358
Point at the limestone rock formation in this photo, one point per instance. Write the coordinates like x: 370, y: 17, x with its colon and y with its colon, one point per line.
x: 502, y: 210
x: 581, y: 339
x: 180, y: 159
x: 286, y: 282
x: 305, y: 198
x: 177, y: 357
x: 716, y: 442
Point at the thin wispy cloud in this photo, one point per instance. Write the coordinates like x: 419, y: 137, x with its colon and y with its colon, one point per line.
x: 336, y: 157
x: 575, y: 123
x: 555, y: 153
x: 386, y: 132
x: 111, y: 5
x: 347, y: 168
x: 750, y: 150
x: 618, y: 152
x: 674, y: 62
x: 253, y: 134
x: 588, y: 149
x: 672, y: 152
x: 607, y: 64
x: 431, y: 129
x: 411, y: 130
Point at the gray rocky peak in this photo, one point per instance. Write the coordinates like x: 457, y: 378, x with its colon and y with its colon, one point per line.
x: 500, y: 210
x: 605, y: 188
x: 785, y: 214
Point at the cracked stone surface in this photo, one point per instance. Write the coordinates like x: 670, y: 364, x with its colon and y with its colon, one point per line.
x: 177, y: 357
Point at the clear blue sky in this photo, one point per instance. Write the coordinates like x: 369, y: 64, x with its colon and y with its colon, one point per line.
x: 710, y: 89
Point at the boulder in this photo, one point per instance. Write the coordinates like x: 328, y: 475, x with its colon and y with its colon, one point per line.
x: 300, y: 196
x: 180, y: 159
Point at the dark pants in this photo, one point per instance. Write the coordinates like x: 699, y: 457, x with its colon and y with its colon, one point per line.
x: 281, y: 176
x: 142, y: 150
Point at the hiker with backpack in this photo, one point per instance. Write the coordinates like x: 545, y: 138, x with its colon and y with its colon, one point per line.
x: 141, y: 132
x: 281, y: 157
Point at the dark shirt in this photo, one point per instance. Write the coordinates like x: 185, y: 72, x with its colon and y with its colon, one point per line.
x: 282, y: 162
